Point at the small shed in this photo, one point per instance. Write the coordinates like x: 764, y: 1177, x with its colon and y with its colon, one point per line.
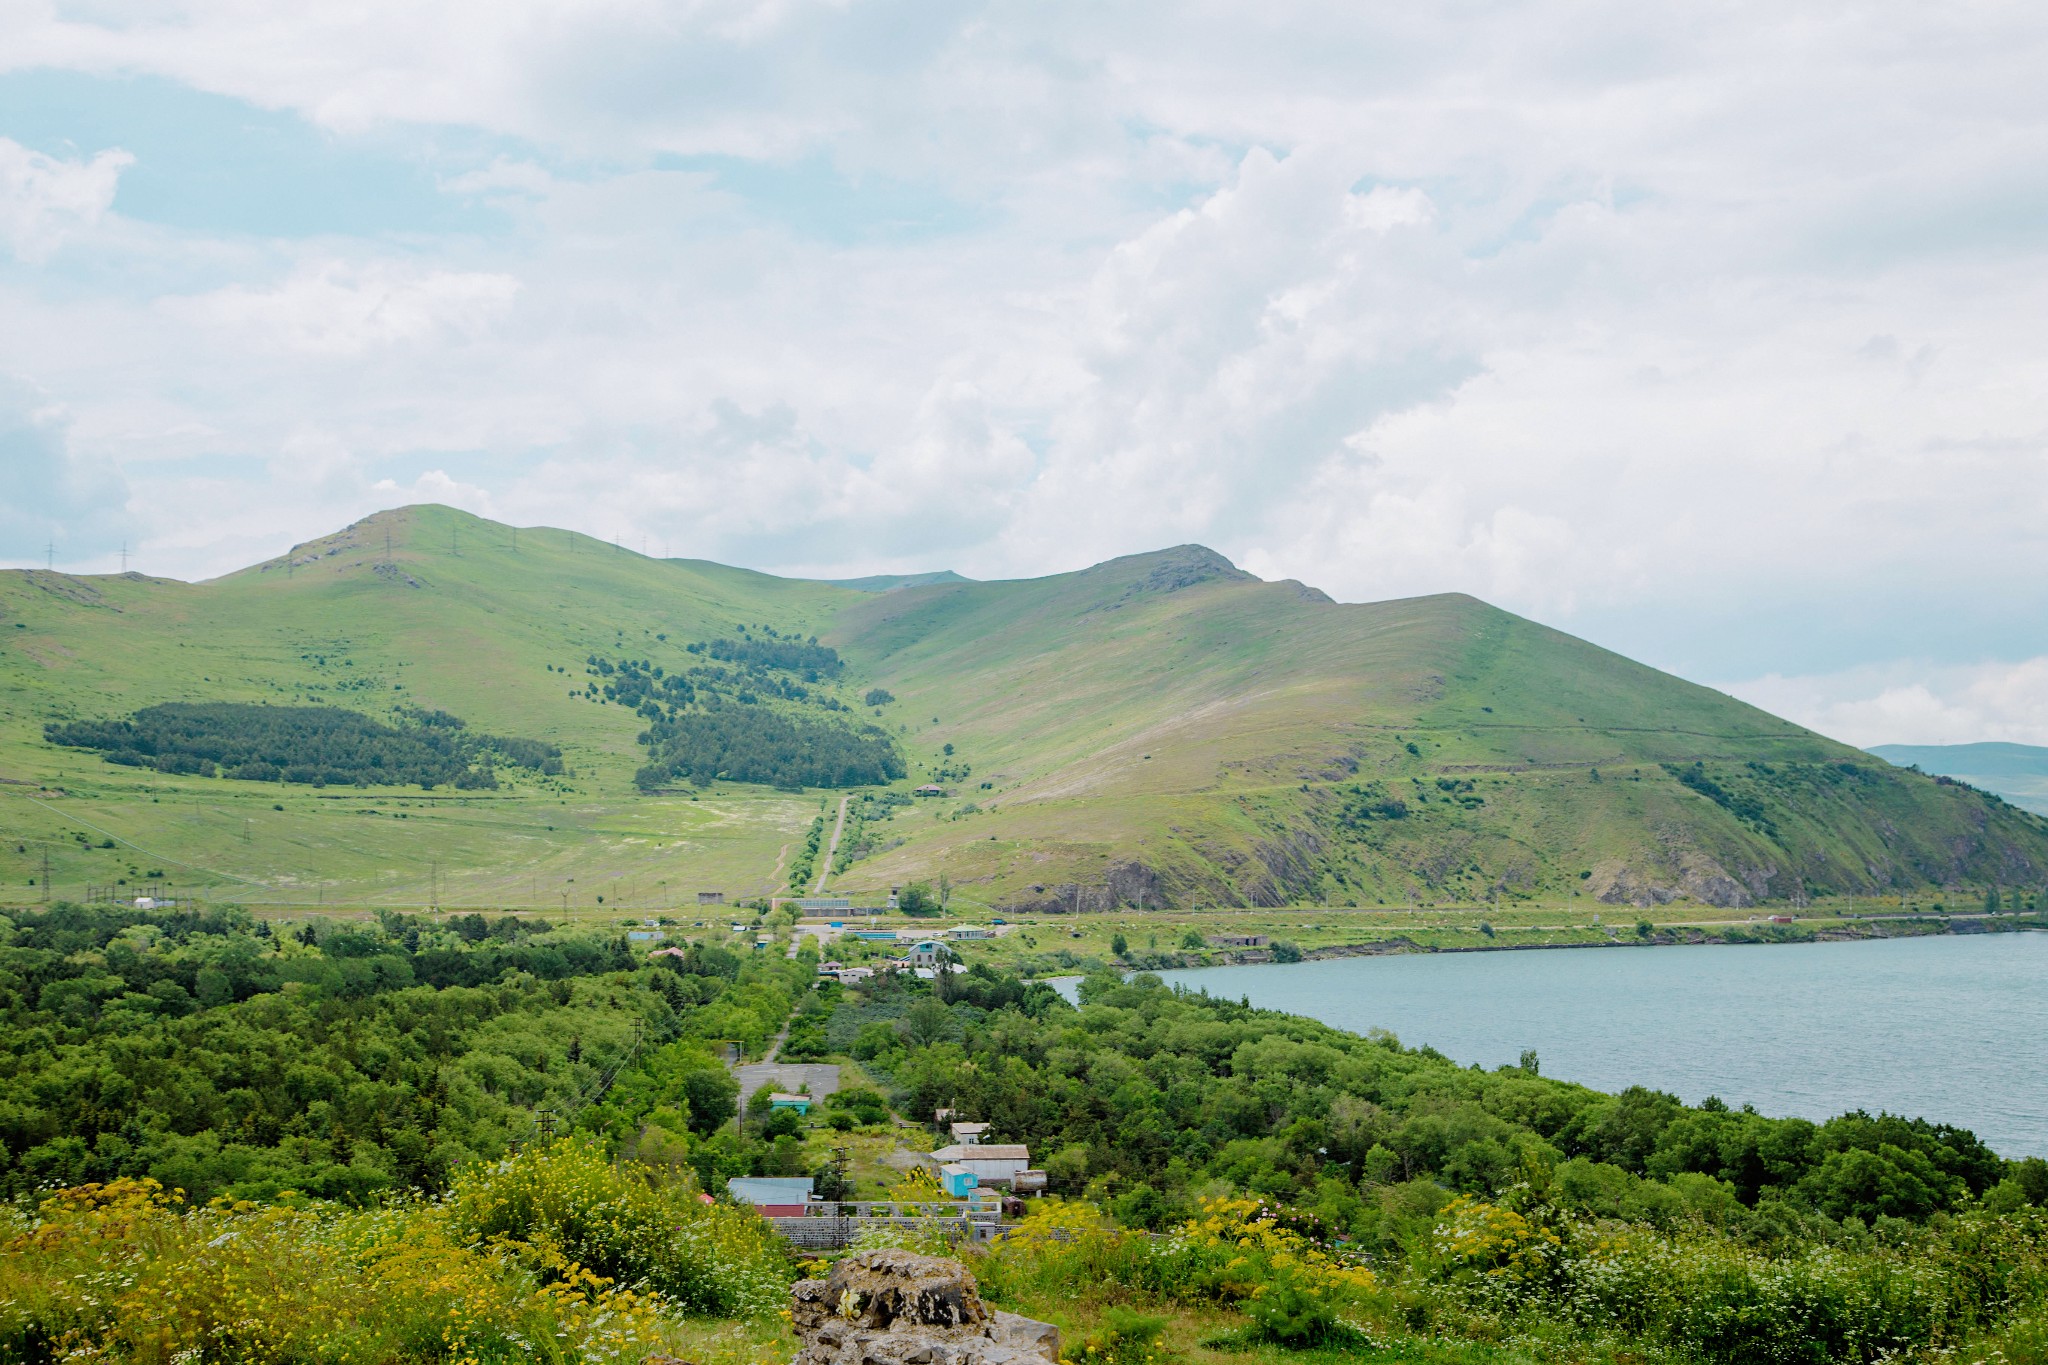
x: 711, y: 898
x: 772, y: 1196
x: 958, y: 1180
x: 969, y: 931
x: 969, y: 1133
x: 1238, y: 940
x: 781, y: 1100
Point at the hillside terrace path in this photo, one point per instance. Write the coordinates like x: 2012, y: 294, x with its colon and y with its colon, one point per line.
x: 832, y: 849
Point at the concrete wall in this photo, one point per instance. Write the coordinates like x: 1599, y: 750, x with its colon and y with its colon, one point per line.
x: 829, y: 1234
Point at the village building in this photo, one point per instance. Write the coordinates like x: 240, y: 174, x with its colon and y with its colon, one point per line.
x: 993, y: 1163
x: 969, y: 1133
x: 772, y: 1196
x: 1238, y: 940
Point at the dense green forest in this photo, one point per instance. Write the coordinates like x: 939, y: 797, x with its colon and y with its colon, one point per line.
x: 379, y: 1092
x: 751, y: 718
x: 317, y: 745
x: 790, y: 751
x: 213, y: 1054
x: 770, y: 650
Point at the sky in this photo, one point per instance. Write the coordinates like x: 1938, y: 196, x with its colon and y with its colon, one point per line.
x: 1712, y: 333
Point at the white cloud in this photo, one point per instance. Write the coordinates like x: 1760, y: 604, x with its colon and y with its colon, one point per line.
x: 1914, y: 702
x: 336, y: 309
x: 59, y: 504
x: 44, y: 200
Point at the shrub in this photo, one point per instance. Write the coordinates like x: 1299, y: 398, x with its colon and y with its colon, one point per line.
x: 127, y: 1271
x: 566, y: 1205
x: 1126, y: 1337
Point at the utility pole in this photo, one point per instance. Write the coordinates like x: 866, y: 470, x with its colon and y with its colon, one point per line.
x: 387, y: 545
x: 50, y: 556
x: 434, y: 886
x: 124, y: 556
x: 245, y: 829
x: 46, y: 876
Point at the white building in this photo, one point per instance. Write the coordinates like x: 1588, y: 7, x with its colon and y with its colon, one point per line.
x: 993, y: 1163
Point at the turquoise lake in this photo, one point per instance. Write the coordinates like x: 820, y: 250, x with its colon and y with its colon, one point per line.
x: 1954, y: 1029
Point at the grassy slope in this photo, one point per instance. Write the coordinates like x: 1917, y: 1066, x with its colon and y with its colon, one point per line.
x: 2017, y: 772
x: 1254, y: 699
x: 1161, y: 726
x: 454, y: 619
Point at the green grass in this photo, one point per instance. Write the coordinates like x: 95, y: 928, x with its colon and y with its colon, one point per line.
x: 1158, y: 728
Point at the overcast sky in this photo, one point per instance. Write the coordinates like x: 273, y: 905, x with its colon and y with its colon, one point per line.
x: 1711, y: 332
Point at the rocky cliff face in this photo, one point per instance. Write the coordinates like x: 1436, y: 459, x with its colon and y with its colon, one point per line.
x: 898, y: 1308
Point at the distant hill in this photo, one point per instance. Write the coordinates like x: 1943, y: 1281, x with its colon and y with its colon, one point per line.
x: 1162, y: 728
x: 890, y: 582
x: 2017, y: 772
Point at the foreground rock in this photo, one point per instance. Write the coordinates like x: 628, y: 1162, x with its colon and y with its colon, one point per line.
x: 898, y: 1308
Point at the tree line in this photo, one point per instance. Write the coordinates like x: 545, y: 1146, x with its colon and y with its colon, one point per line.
x: 313, y: 745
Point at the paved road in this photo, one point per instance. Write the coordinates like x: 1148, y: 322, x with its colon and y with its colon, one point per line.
x: 822, y: 1078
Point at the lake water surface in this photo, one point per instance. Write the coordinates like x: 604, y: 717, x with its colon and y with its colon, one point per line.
x: 1952, y: 1028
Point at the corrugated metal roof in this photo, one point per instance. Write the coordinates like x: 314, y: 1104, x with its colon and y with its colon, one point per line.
x: 984, y: 1151
x: 761, y: 1189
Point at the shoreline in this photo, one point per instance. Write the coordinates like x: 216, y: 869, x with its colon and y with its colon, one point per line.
x: 1678, y: 936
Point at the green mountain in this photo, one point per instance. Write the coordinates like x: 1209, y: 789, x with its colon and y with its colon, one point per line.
x: 1162, y: 728
x: 2017, y: 772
